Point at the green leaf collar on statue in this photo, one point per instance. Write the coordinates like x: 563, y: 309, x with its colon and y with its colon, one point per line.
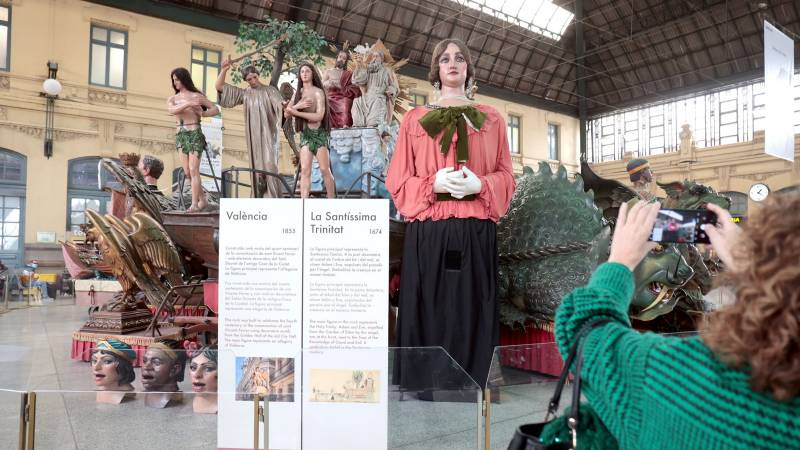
x: 450, y: 119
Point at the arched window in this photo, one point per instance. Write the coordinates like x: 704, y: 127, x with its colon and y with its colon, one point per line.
x: 12, y: 207
x: 84, y: 179
x: 738, y: 203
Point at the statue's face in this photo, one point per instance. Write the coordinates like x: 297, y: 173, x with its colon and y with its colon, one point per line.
x: 452, y: 67
x: 159, y: 372
x: 647, y: 176
x: 142, y: 169
x: 661, y: 272
x: 341, y: 60
x: 204, y: 374
x: 176, y: 83
x: 252, y: 79
x: 104, y: 371
x: 306, y: 75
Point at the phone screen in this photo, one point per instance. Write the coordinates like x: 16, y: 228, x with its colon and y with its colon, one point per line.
x: 682, y: 226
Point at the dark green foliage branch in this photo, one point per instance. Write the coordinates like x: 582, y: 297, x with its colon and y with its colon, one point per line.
x: 301, y: 44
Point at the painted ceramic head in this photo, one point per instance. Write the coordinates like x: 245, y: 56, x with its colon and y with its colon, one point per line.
x: 112, y: 364
x: 163, y: 366
x: 203, y: 370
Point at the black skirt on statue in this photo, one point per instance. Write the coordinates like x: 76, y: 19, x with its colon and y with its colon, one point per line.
x: 448, y: 298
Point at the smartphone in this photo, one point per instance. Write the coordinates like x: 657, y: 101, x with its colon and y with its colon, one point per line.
x: 682, y: 226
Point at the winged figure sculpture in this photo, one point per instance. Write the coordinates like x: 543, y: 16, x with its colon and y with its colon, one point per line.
x: 142, y: 255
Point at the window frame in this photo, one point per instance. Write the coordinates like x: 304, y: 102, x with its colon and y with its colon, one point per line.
x: 509, y: 127
x: 557, y: 127
x: 738, y: 199
x: 414, y: 96
x: 7, y: 23
x: 82, y: 192
x: 16, y: 188
x: 108, y: 46
x: 205, y: 63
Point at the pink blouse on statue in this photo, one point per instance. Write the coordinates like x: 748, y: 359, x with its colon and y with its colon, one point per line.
x: 417, y: 157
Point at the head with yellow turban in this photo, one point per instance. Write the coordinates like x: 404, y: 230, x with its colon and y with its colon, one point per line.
x: 639, y: 170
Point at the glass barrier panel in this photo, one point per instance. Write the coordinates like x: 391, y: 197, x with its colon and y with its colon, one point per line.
x: 397, y: 398
x: 23, y: 361
x: 521, y: 381
x: 160, y: 396
x: 11, y: 404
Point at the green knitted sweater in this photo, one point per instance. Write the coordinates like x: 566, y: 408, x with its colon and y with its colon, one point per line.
x: 662, y: 392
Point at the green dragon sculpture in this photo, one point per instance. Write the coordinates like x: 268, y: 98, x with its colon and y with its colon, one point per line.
x: 558, y: 230
x: 554, y: 218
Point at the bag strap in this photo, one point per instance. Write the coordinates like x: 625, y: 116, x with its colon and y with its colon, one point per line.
x: 552, y: 408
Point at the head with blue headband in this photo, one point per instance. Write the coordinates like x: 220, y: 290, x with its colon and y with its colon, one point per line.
x: 112, y: 365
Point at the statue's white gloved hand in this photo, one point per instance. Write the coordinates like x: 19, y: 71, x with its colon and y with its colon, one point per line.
x: 466, y: 183
x: 440, y: 184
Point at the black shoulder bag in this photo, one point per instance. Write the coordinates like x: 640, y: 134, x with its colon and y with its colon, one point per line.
x: 527, y: 436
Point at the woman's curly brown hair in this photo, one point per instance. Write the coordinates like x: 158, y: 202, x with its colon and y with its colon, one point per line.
x: 760, y: 333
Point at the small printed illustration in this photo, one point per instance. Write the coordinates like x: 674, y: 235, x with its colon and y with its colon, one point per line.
x: 270, y: 376
x: 344, y: 385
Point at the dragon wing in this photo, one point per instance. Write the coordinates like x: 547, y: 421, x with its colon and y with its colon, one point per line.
x: 608, y: 194
x: 157, y: 252
x: 114, y: 246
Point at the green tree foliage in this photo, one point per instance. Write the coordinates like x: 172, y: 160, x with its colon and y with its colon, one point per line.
x: 301, y: 44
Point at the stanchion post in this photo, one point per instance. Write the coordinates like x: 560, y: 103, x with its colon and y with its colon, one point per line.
x: 23, y: 406
x: 6, y: 284
x: 31, y: 419
x: 256, y: 416
x: 265, y: 418
x: 487, y: 418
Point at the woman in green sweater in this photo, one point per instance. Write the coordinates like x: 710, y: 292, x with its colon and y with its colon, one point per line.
x: 737, y: 384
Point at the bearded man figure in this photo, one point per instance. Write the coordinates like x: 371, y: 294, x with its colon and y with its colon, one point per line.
x: 379, y: 88
x: 341, y: 91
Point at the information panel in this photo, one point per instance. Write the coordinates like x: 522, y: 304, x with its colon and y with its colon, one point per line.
x: 304, y: 302
x: 260, y: 310
x: 345, y: 313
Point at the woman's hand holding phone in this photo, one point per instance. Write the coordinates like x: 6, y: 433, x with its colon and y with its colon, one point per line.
x: 724, y: 236
x: 634, y: 226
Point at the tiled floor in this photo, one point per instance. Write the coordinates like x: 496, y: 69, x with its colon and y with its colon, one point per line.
x: 35, y: 356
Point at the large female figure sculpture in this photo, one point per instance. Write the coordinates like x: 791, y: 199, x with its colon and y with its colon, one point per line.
x: 310, y: 110
x: 189, y: 105
x: 451, y: 178
x: 112, y: 370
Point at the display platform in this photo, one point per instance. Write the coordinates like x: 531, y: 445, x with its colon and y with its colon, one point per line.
x: 94, y: 292
x: 530, y: 352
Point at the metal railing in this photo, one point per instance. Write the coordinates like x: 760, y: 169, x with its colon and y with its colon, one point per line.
x: 231, y: 176
x: 368, y: 192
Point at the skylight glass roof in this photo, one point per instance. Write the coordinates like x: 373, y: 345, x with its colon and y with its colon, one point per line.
x: 539, y: 16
